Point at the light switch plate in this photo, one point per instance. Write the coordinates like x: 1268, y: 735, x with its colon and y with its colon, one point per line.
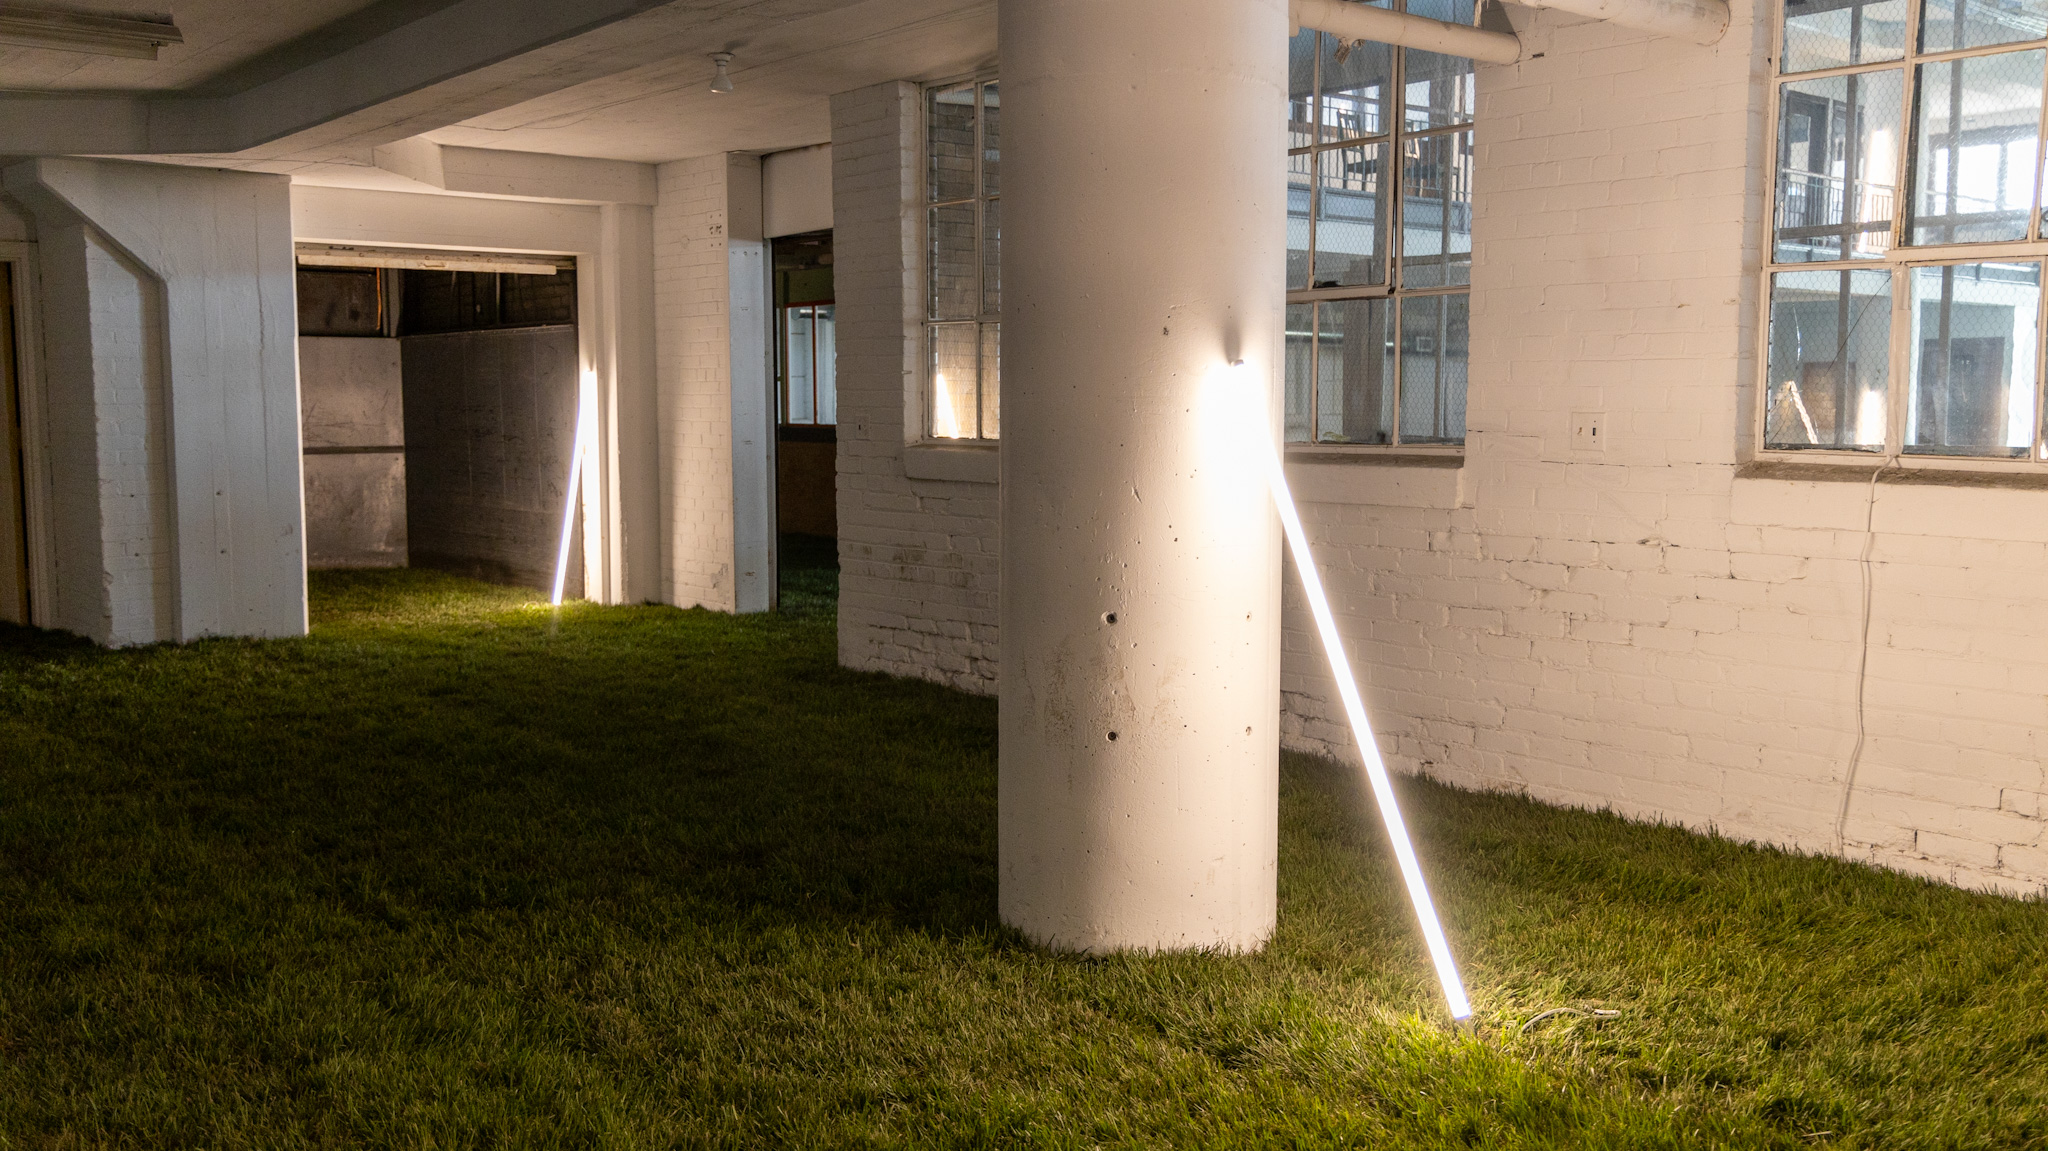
x: 1588, y: 432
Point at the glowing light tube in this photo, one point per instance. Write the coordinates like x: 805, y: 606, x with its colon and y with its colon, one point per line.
x: 575, y: 493
x: 1361, y: 731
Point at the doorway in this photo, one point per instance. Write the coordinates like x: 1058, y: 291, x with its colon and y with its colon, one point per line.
x: 440, y: 412
x: 807, y: 416
x: 14, y: 589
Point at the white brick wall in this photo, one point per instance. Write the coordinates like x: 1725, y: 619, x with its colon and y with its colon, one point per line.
x: 917, y: 557
x: 693, y: 374
x: 1637, y: 629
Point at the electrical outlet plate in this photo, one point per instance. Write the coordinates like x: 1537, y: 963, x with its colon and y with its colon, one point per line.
x: 1589, y: 433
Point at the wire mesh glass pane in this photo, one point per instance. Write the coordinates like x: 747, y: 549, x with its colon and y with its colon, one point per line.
x: 1975, y: 345
x: 955, y: 349
x: 1440, y: 90
x: 1831, y: 33
x: 1838, y: 155
x: 949, y: 143
x: 1354, y: 372
x: 1299, y: 173
x: 1830, y: 360
x: 1358, y: 79
x: 826, y: 363
x: 1448, y: 11
x: 991, y: 140
x: 1975, y: 148
x: 1301, y: 87
x: 991, y: 381
x: 954, y: 292
x: 801, y: 361
x: 1436, y: 211
x: 1951, y: 24
x: 1435, y: 343
x: 992, y: 257
x: 1348, y: 245
x: 1301, y: 361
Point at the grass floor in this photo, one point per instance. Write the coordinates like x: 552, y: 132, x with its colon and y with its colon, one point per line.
x: 455, y: 872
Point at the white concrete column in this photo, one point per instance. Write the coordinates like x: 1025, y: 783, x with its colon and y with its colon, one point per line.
x: 1143, y: 169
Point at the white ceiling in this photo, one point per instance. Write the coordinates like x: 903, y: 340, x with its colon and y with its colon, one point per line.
x: 637, y: 89
x: 785, y: 74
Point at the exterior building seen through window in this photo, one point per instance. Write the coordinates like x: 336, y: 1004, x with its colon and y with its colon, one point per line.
x: 1378, y: 280
x: 963, y: 261
x: 1906, y: 240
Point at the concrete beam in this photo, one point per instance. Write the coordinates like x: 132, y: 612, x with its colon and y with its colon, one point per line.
x: 521, y: 175
x: 462, y: 38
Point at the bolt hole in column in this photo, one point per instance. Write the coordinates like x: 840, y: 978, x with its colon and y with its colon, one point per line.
x: 1112, y: 737
x: 1109, y: 617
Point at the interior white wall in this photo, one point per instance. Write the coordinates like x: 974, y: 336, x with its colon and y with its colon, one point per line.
x: 615, y: 334
x: 717, y: 428
x: 15, y: 226
x: 796, y: 190
x: 171, y: 400
x: 1644, y: 628
x: 918, y: 528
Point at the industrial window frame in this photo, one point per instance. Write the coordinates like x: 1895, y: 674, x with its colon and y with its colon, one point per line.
x: 987, y: 323
x: 1901, y: 260
x: 1397, y: 139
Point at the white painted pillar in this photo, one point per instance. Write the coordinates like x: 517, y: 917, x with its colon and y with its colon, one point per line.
x: 1144, y: 189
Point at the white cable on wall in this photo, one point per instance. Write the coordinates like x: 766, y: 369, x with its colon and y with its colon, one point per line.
x: 1862, y: 661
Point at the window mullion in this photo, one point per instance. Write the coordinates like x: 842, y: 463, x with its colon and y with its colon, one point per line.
x: 1391, y: 193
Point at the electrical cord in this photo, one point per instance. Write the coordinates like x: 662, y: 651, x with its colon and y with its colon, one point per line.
x: 1862, y: 661
x: 1597, y: 1013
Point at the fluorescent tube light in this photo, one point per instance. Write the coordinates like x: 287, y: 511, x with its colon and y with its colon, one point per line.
x: 136, y: 36
x: 427, y: 259
x: 585, y: 398
x: 1354, y: 708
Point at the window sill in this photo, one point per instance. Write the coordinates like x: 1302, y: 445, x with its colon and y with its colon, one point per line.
x: 1376, y: 457
x: 963, y: 464
x: 2022, y: 475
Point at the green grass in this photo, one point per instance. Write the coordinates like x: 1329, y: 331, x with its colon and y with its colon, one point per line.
x: 453, y: 872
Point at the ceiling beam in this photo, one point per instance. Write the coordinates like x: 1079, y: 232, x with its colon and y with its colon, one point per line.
x: 437, y: 48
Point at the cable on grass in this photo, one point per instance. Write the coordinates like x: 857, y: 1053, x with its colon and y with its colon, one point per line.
x: 1597, y: 1014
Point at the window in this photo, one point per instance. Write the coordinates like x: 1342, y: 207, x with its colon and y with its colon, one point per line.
x: 963, y: 237
x: 806, y: 376
x: 1378, y: 283
x: 1904, y: 281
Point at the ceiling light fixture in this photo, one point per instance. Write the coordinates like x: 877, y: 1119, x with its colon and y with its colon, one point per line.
x: 721, y: 83
x: 136, y: 36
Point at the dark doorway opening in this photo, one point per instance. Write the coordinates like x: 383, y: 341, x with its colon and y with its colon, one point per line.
x: 440, y: 412
x: 807, y: 416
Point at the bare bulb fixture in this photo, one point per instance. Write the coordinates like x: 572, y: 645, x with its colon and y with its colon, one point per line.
x: 721, y: 83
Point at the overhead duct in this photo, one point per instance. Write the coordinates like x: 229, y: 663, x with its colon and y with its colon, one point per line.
x: 430, y: 260
x: 1700, y: 21
x: 1347, y: 20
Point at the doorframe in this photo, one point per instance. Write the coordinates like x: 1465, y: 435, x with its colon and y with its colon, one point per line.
x: 32, y: 398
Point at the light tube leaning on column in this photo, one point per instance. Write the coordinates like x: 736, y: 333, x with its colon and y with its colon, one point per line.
x: 574, y: 494
x: 1361, y: 728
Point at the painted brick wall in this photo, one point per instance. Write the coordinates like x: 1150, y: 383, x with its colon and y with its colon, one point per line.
x: 917, y: 557
x: 1641, y: 628
x: 693, y: 388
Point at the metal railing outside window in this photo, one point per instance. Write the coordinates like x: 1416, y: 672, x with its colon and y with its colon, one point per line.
x: 1903, y: 286
x: 1379, y: 227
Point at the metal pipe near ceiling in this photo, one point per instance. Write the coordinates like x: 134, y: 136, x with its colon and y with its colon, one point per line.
x: 1352, y: 21
x: 1700, y: 21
